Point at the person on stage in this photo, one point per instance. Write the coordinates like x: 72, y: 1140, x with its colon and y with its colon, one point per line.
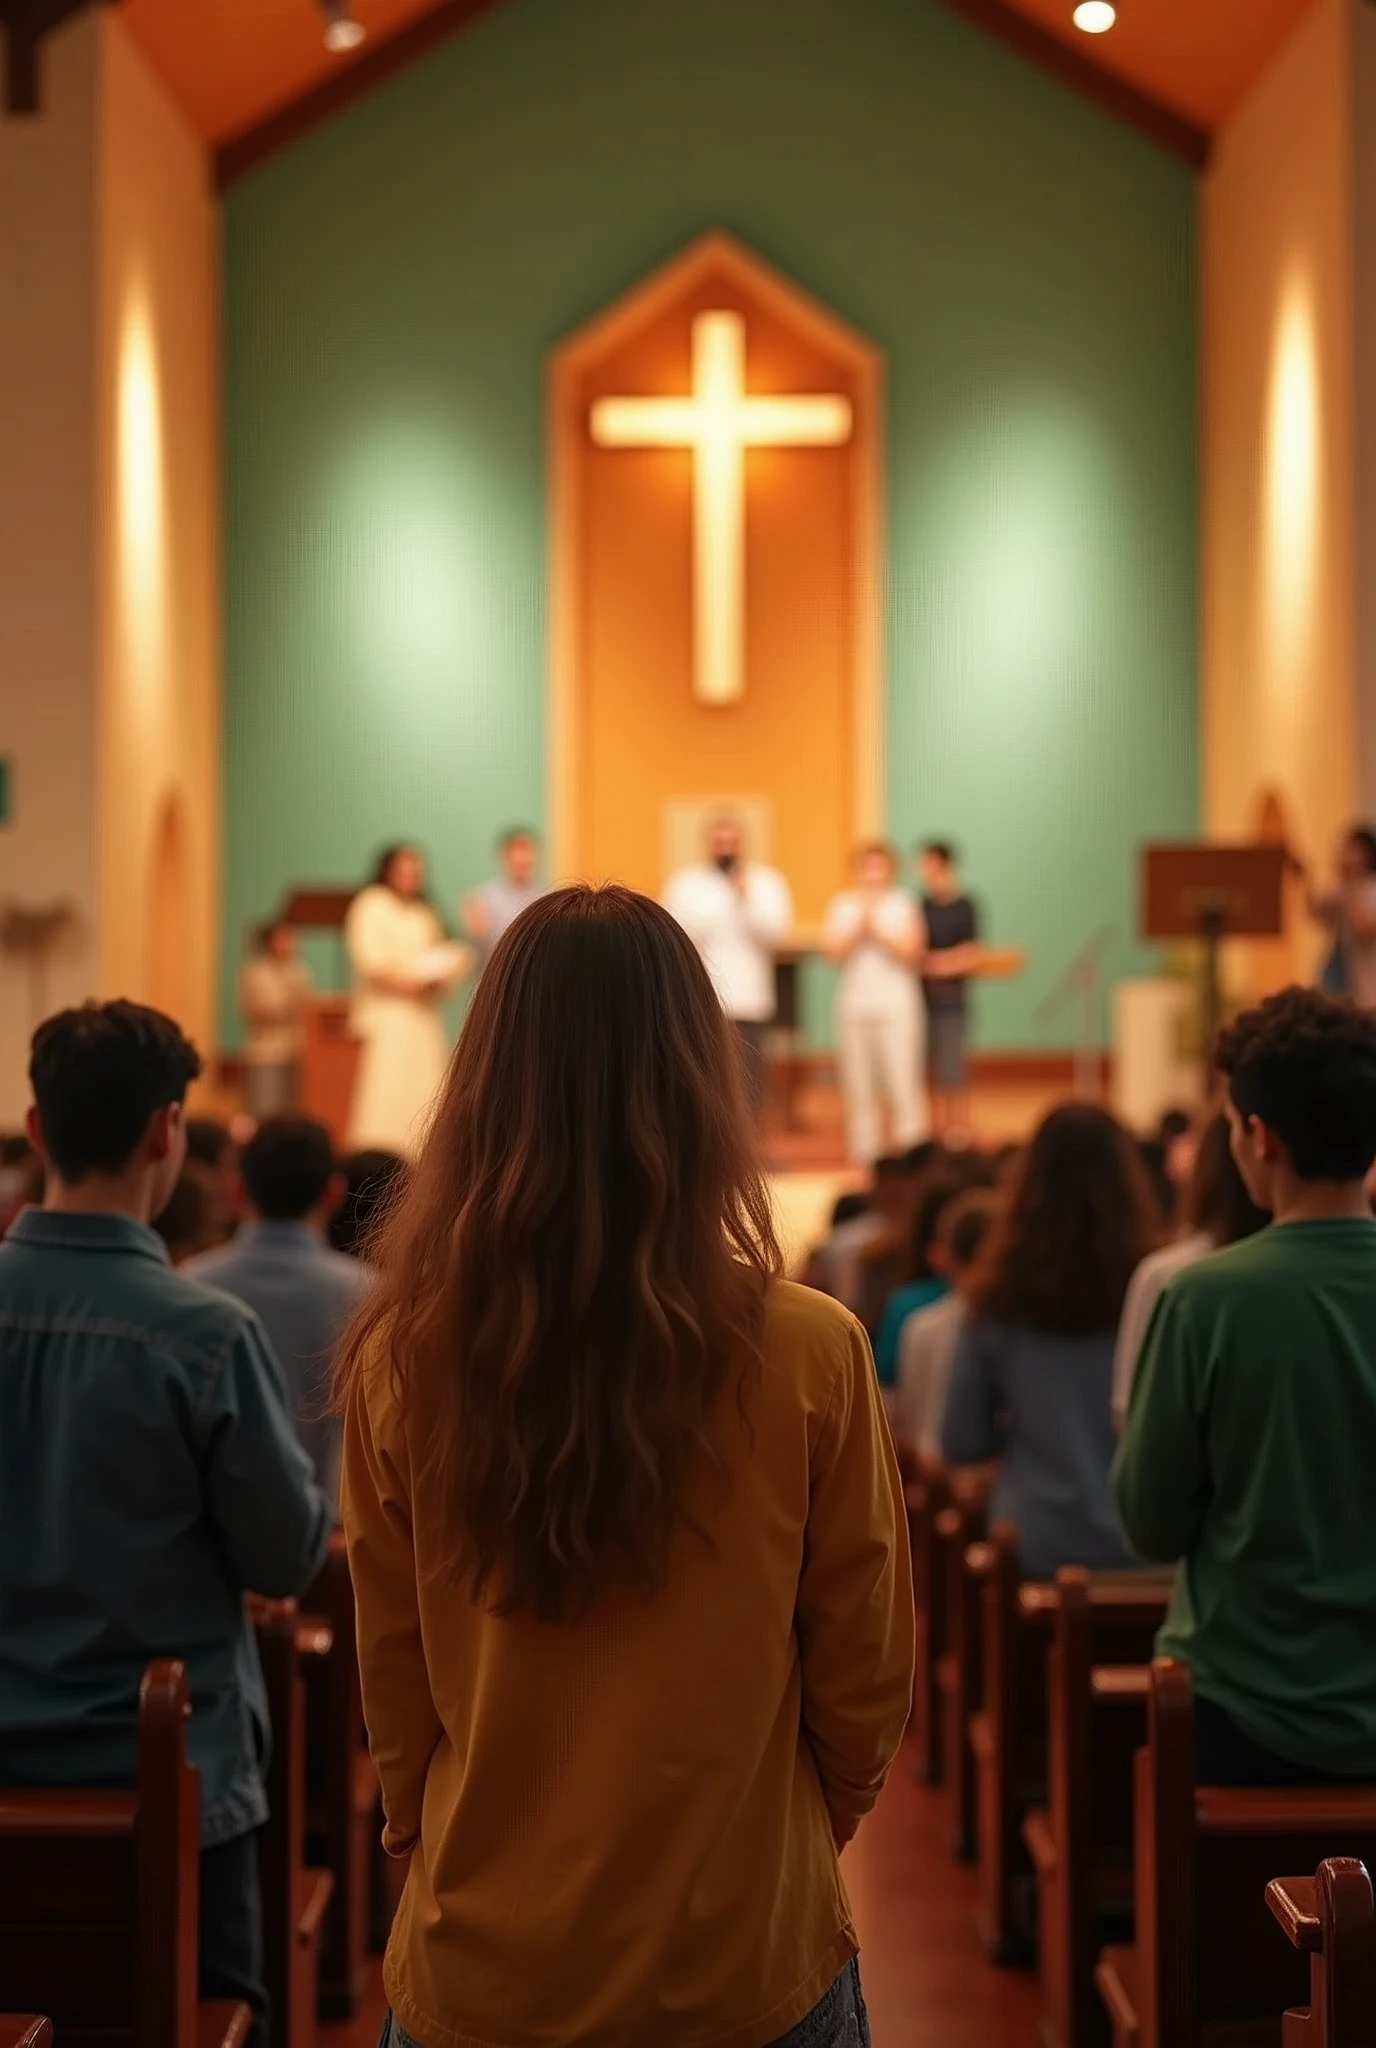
x: 875, y: 932
x: 737, y: 913
x: 403, y: 967
x: 495, y: 904
x: 273, y: 991
x: 952, y: 957
x: 1348, y: 912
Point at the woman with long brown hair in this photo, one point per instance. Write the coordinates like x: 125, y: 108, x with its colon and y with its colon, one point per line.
x: 1033, y: 1368
x: 634, y: 1615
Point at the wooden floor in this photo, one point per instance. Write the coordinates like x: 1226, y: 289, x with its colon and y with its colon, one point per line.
x: 926, y: 1980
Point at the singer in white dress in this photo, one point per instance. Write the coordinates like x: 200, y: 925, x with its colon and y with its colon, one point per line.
x: 876, y: 934
x: 403, y: 968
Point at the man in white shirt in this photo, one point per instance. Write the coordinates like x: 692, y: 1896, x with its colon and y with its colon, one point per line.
x: 876, y: 933
x: 737, y: 913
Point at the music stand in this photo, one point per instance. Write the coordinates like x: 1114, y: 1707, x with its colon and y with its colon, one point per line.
x: 1212, y: 893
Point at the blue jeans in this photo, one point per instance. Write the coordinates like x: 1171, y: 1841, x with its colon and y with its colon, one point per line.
x: 838, y: 2020
x: 231, y: 1956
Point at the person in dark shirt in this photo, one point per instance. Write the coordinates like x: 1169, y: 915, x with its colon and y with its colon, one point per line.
x: 149, y: 1472
x: 952, y: 957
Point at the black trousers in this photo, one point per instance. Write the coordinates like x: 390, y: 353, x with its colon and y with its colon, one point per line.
x: 232, y: 1930
x: 1223, y: 1755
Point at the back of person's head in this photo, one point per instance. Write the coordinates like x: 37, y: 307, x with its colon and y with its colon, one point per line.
x: 965, y: 1227
x: 287, y: 1167
x: 208, y: 1142
x: 374, y: 1180
x: 1305, y: 1066
x: 942, y: 1185
x: 1079, y: 1217
x: 1362, y: 840
x: 1218, y: 1205
x: 577, y: 1274
x: 99, y: 1076
x: 847, y: 1208
x: 21, y: 1177
x: 1152, y: 1153
x: 187, y: 1222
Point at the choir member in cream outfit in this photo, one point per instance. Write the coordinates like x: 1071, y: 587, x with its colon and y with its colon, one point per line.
x: 403, y: 968
x: 876, y: 934
x: 738, y: 913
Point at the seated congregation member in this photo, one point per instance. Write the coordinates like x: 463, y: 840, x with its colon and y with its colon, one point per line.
x: 875, y: 934
x: 280, y: 1265
x: 373, y: 1179
x: 634, y: 1607
x: 927, y: 1344
x: 1034, y: 1363
x: 925, y: 1280
x: 1250, y: 1442
x: 1219, y: 1211
x: 149, y: 1476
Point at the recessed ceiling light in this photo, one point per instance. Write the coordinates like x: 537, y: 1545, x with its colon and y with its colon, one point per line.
x: 342, y: 32
x: 1095, y: 17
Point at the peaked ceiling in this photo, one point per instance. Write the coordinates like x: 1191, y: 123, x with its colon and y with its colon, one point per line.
x: 236, y: 64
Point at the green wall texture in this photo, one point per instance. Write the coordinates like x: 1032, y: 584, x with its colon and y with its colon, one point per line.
x: 392, y: 286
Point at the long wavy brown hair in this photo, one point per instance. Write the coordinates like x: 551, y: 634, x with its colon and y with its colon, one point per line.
x: 1080, y: 1215
x: 577, y: 1272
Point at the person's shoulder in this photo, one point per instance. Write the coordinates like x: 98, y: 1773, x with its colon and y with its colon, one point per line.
x: 806, y: 1331
x: 196, y: 1313
x: 350, y: 1278
x: 1218, y: 1274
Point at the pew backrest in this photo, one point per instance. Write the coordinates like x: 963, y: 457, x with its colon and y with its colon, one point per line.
x: 1331, y: 1918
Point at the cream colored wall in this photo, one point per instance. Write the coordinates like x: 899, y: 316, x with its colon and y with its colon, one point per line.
x: 47, y: 602
x: 158, y: 552
x: 1280, y: 621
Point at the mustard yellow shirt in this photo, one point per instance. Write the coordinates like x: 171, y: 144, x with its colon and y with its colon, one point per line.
x: 623, y: 1831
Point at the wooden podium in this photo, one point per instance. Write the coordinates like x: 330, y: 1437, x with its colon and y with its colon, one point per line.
x: 1212, y: 893
x: 330, y: 1055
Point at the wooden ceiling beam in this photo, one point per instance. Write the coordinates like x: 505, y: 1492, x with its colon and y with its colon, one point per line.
x: 1151, y: 117
x: 243, y: 152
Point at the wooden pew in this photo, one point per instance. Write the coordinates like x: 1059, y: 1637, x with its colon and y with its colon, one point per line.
x: 1207, y: 1969
x: 25, y: 2030
x: 1080, y: 1842
x: 926, y: 1498
x: 342, y: 1798
x: 99, y: 1898
x: 1331, y: 1919
x: 295, y: 1897
x: 960, y: 1557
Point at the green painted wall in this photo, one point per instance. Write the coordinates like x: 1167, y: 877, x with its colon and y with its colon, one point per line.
x: 392, y: 286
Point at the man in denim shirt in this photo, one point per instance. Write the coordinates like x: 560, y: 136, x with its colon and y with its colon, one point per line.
x: 149, y: 1472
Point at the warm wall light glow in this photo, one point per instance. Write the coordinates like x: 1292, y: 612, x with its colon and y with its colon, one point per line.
x: 1291, y: 473
x: 719, y: 422
x: 1095, y: 17
x: 342, y: 32
x: 140, y: 508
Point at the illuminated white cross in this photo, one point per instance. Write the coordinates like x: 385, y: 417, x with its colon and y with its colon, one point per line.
x: 719, y: 422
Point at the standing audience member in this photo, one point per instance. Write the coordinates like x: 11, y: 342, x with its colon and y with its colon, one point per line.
x: 1034, y: 1363
x: 1219, y: 1211
x: 952, y: 958
x: 738, y: 913
x: 274, y: 989
x: 494, y: 905
x: 188, y: 1222
x: 1347, y: 911
x: 373, y: 1180
x: 280, y: 1265
x: 1250, y: 1442
x: 927, y: 1345
x: 212, y: 1156
x: 614, y: 1490
x: 149, y: 1475
x: 874, y: 932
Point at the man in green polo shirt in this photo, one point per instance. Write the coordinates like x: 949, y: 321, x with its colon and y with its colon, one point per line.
x: 1249, y: 1451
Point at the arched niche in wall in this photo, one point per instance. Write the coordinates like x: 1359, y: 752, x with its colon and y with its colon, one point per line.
x: 169, y: 911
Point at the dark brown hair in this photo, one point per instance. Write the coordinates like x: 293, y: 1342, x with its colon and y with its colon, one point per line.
x: 941, y: 1185
x: 576, y: 1276
x: 1080, y: 1216
x: 1218, y: 1203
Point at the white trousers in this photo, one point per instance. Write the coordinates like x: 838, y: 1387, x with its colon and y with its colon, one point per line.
x: 883, y: 1063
